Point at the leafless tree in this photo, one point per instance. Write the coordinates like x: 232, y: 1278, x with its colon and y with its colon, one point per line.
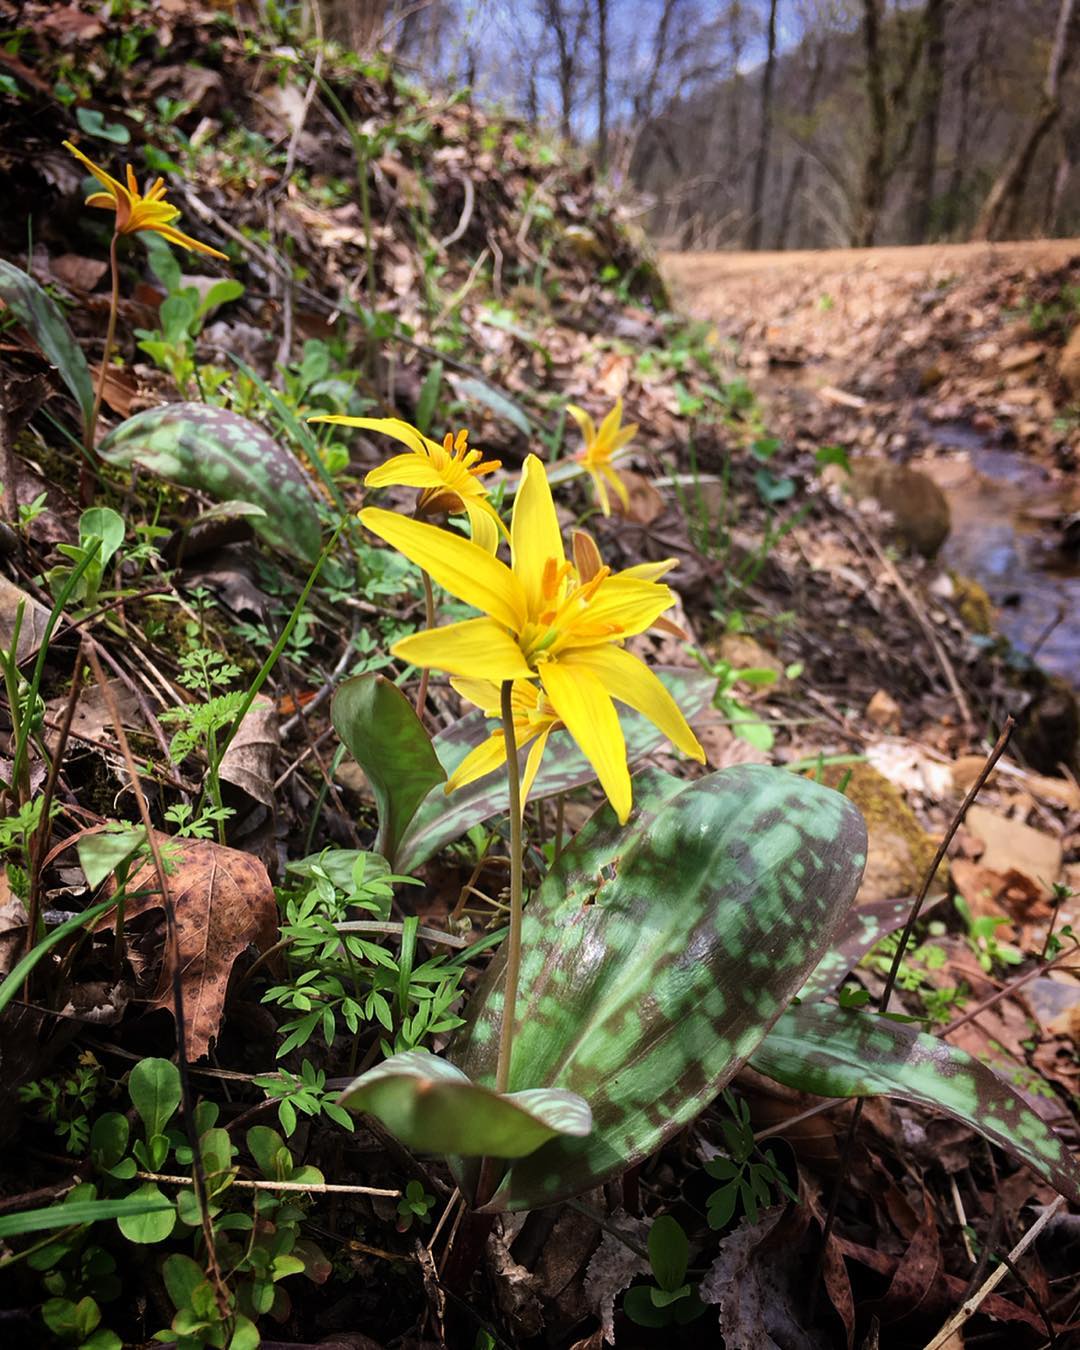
x: 761, y: 163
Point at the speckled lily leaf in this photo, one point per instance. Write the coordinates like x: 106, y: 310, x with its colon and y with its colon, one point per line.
x: 657, y: 957
x: 431, y: 1106
x: 42, y: 318
x: 387, y: 739
x: 443, y: 818
x: 231, y: 458
x: 862, y: 929
x: 833, y: 1052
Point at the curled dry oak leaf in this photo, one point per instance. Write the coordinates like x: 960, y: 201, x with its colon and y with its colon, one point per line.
x: 224, y: 901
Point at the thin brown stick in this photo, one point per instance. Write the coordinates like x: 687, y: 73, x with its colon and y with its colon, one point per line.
x: 173, y: 959
x: 971, y: 1306
x: 890, y: 983
x: 325, y: 1188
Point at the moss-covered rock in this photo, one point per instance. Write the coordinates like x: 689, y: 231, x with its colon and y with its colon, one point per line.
x: 919, y: 508
x: 973, y: 604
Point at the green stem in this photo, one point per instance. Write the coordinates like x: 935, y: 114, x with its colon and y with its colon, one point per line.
x: 429, y: 622
x: 110, y: 334
x: 513, y: 942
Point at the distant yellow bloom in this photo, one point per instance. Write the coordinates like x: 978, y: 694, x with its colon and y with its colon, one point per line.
x: 601, y: 448
x: 545, y: 621
x: 448, y: 474
x: 137, y: 211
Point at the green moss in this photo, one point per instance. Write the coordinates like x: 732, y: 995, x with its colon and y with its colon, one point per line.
x: 889, y: 820
x: 973, y: 605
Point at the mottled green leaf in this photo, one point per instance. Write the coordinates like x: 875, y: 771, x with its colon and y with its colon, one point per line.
x: 41, y: 317
x: 443, y: 818
x: 432, y: 1106
x: 862, y: 929
x: 657, y: 957
x: 229, y: 457
x: 836, y: 1053
x: 386, y: 738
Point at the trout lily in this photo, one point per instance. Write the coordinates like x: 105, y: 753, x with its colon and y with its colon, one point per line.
x: 546, y: 620
x: 601, y: 448
x: 137, y: 210
x: 448, y: 475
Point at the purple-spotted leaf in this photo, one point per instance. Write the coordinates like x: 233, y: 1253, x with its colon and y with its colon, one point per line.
x: 433, y: 1107
x: 833, y: 1052
x: 862, y: 929
x: 443, y: 818
x: 656, y: 958
x: 387, y: 739
x: 42, y: 319
x: 229, y: 457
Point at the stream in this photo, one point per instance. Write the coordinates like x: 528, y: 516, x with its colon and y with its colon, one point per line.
x: 1004, y: 537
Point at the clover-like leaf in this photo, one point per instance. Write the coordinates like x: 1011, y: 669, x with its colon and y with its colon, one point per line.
x: 832, y: 1052
x: 656, y: 958
x: 224, y: 454
x: 432, y: 1106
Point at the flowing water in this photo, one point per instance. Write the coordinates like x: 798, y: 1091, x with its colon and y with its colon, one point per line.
x: 1005, y: 536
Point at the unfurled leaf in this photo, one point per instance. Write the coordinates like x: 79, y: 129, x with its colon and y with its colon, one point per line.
x: 383, y: 734
x: 154, y: 1087
x: 154, y: 1224
x: 101, y: 853
x: 836, y: 1053
x: 229, y: 457
x: 433, y: 1107
x: 43, y: 320
x: 81, y: 1211
x: 657, y: 956
x: 443, y: 818
x: 223, y: 901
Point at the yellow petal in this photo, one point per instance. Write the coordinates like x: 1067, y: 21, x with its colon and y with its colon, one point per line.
x: 105, y: 200
x: 393, y: 427
x: 584, y: 421
x: 650, y: 571
x: 535, y: 536
x: 485, y: 525
x: 610, y: 425
x: 488, y: 756
x: 532, y: 764
x: 106, y: 180
x: 619, y: 486
x: 476, y: 648
x: 459, y: 566
x: 587, y: 712
x: 601, y: 492
x: 624, y: 606
x: 633, y: 683
x: 623, y: 438
x: 175, y: 236
x: 405, y: 471
x: 483, y: 694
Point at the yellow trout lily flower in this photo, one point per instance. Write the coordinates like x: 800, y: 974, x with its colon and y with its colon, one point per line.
x: 544, y: 622
x: 601, y: 448
x: 137, y: 211
x: 448, y: 475
x: 534, y: 720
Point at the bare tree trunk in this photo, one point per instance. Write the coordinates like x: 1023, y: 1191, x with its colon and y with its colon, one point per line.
x: 1059, y: 181
x: 757, y: 200
x: 1009, y: 186
x: 798, y: 173
x: 602, y: 82
x: 951, y: 218
x: 872, y: 195
x: 922, y: 191
x: 737, y: 42
x: 353, y: 23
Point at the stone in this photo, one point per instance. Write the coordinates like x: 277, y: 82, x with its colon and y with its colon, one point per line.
x: 919, y: 508
x: 1069, y: 363
x: 885, y: 713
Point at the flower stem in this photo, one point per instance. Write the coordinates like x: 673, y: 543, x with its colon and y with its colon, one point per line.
x: 513, y: 947
x: 110, y: 334
x: 429, y: 622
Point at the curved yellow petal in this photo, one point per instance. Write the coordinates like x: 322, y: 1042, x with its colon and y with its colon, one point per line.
x: 601, y: 492
x: 618, y: 484
x: 405, y: 471
x: 105, y: 200
x: 584, y: 421
x: 532, y: 764
x: 485, y: 525
x: 459, y: 566
x: 610, y: 425
x: 175, y: 236
x: 488, y: 756
x: 650, y: 571
x: 586, y: 710
x: 633, y: 683
x: 625, y: 606
x: 535, y: 536
x: 623, y: 438
x: 483, y: 694
x: 106, y: 180
x: 393, y: 427
x: 476, y: 647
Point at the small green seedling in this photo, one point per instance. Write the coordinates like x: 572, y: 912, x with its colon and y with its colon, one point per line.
x: 415, y: 1204
x: 745, y: 1180
x: 671, y: 1298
